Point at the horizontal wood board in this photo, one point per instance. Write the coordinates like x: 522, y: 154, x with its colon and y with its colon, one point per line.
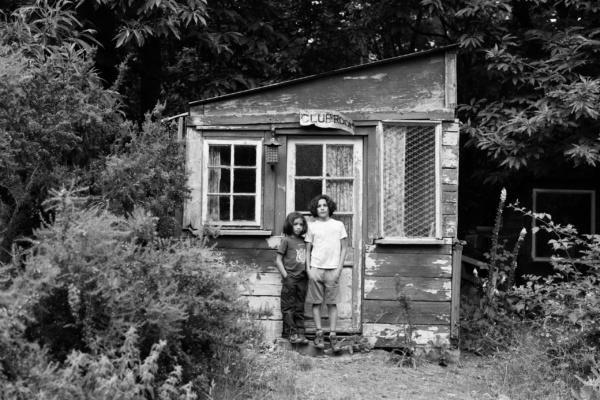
x: 419, y: 289
x: 413, y: 265
x: 421, y: 312
x: 389, y: 335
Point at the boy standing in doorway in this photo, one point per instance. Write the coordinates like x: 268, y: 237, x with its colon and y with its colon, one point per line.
x: 325, y: 254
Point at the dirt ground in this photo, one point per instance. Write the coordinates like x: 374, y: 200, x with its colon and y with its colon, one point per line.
x: 378, y: 375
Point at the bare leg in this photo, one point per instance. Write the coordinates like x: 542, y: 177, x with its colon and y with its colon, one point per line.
x: 333, y: 314
x: 316, y: 309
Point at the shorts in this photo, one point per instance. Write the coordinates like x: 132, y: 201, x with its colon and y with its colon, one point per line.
x: 323, y: 287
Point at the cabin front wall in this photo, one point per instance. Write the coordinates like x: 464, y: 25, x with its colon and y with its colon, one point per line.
x: 385, y: 261
x: 377, y: 269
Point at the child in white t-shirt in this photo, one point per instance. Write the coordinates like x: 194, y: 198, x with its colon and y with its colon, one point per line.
x: 325, y: 254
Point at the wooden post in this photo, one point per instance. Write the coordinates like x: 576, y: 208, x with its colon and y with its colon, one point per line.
x: 455, y: 288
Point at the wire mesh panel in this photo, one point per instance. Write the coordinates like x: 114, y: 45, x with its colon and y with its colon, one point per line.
x: 409, y: 190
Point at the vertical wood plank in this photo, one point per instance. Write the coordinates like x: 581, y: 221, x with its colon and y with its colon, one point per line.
x: 357, y: 244
x: 455, y: 291
x: 180, y: 128
x: 373, y: 178
x: 280, y: 187
x: 269, y: 177
x: 450, y: 57
x: 192, y: 212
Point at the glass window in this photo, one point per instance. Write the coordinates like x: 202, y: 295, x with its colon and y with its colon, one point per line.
x: 325, y: 168
x: 409, y: 181
x: 232, y: 189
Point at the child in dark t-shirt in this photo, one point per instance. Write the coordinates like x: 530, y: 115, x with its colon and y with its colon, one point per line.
x: 291, y: 260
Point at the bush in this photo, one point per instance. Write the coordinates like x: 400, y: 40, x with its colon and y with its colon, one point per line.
x: 551, y: 321
x: 146, y: 168
x: 116, y: 375
x: 87, y: 280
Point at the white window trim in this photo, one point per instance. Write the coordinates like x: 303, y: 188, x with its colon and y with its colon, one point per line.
x: 438, y: 239
x: 537, y: 191
x: 258, y: 189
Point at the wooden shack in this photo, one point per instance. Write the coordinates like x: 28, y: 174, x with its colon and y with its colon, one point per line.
x: 382, y: 140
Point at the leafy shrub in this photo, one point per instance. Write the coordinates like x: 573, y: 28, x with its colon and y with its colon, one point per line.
x: 86, y: 281
x: 119, y: 374
x: 551, y: 320
x: 146, y: 168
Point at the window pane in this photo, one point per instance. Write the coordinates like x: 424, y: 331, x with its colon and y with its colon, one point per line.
x: 305, y: 191
x: 218, y: 208
x: 243, y: 208
x: 341, y: 192
x: 309, y: 160
x: 244, y: 180
x: 339, y: 160
x: 219, y: 180
x: 347, y: 221
x: 219, y: 154
x: 245, y: 155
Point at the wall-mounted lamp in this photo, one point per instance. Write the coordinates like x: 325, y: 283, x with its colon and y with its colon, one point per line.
x: 272, y: 150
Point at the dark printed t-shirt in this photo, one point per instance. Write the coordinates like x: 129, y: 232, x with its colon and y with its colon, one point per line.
x: 294, y: 254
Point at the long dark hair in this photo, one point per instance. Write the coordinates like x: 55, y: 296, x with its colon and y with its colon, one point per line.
x: 288, y: 225
x: 314, y: 203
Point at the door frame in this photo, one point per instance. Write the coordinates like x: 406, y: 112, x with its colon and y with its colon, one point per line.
x: 357, y: 220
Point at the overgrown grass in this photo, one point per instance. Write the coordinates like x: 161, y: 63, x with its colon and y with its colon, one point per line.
x: 528, y: 370
x: 268, y: 373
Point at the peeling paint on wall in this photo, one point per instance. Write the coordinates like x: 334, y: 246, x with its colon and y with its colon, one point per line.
x: 377, y: 77
x: 369, y: 285
x: 370, y: 264
x: 441, y: 262
x: 273, y: 241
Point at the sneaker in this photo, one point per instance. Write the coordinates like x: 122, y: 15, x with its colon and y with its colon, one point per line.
x: 319, y: 340
x: 335, y: 343
x: 301, y: 339
x: 293, y: 338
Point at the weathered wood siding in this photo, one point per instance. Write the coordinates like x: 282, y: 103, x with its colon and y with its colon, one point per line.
x: 262, y: 286
x: 414, y: 88
x: 449, y: 179
x: 419, y: 88
x: 421, y: 272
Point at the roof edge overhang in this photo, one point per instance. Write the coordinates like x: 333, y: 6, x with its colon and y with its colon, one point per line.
x: 322, y: 75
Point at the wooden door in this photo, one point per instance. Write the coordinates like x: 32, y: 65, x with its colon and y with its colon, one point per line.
x: 333, y: 166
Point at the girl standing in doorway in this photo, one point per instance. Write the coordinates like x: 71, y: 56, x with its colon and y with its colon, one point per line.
x: 291, y: 261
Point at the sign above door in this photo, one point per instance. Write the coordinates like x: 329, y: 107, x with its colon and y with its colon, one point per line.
x: 326, y: 119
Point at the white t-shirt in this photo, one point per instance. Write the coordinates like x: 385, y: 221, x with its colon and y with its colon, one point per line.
x: 325, y: 238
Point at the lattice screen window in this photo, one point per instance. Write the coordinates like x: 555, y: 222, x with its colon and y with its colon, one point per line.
x: 409, y: 175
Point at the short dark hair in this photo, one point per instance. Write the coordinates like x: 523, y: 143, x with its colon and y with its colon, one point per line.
x: 314, y: 203
x: 288, y: 225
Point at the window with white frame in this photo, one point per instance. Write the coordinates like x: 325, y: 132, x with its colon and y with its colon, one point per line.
x: 232, y: 194
x: 410, y: 190
x: 564, y: 206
